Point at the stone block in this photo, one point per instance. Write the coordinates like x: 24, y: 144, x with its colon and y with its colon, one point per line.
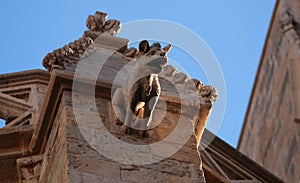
x: 29, y: 168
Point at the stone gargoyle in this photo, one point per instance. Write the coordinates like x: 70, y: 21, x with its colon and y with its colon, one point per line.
x: 139, y: 94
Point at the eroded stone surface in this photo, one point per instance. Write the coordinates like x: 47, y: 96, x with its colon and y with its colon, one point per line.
x: 29, y: 169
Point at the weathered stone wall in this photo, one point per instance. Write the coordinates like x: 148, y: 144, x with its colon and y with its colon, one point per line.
x: 271, y: 135
x: 70, y: 158
x: 87, y: 165
x: 55, y: 163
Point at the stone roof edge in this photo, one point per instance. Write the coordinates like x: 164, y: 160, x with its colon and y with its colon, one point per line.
x: 224, y: 152
x: 21, y: 144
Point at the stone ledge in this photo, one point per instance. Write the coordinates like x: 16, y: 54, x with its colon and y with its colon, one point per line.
x: 14, y: 141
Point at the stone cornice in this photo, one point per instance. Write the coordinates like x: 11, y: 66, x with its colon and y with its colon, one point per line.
x: 24, y: 77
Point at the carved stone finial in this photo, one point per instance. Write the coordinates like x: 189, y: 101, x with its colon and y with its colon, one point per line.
x: 72, y: 52
x: 96, y: 22
x: 112, y: 27
x: 97, y: 25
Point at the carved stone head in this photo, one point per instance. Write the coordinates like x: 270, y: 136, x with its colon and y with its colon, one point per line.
x: 152, y: 58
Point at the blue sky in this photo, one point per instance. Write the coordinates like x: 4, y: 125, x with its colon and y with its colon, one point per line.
x: 234, y: 30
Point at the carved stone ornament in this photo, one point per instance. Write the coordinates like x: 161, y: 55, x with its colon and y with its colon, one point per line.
x: 286, y: 21
x: 97, y: 25
x: 136, y: 100
x: 72, y: 52
x: 142, y: 89
x: 287, y: 25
